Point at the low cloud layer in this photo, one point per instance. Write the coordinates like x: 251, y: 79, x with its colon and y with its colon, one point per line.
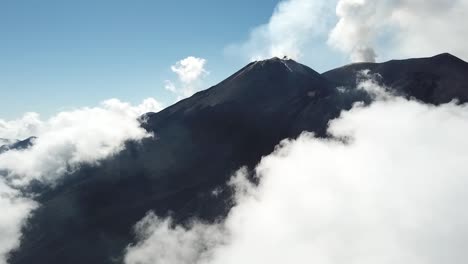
x: 389, y: 188
x: 64, y: 142
x: 15, y: 210
x: 190, y: 72
x: 70, y: 138
x: 363, y: 29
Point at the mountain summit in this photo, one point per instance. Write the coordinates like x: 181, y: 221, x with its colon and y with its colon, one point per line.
x: 262, y: 84
x: 199, y: 143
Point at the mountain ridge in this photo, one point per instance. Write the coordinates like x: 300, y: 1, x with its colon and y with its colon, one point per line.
x: 438, y: 79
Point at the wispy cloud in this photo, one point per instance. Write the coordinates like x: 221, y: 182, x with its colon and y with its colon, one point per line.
x: 190, y: 72
x: 293, y: 25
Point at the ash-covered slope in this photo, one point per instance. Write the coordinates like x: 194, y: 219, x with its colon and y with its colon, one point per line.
x: 436, y: 80
x: 199, y: 142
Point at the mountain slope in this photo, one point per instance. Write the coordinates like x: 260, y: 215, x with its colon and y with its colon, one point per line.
x: 199, y: 142
x: 436, y: 80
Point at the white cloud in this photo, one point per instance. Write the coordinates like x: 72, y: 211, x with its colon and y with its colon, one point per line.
x: 407, y: 27
x: 189, y: 69
x: 71, y: 138
x: 124, y: 108
x: 15, y: 210
x: 170, y: 86
x: 390, y: 188
x: 29, y: 124
x: 190, y: 72
x: 369, y: 82
x: 191, y: 243
x: 64, y: 142
x: 292, y: 26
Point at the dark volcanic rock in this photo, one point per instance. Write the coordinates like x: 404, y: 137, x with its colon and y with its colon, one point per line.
x: 17, y: 144
x: 199, y: 142
x: 436, y: 80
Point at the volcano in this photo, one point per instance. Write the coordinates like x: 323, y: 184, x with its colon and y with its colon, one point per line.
x: 200, y: 142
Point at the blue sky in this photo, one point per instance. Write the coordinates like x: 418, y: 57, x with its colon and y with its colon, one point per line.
x: 61, y: 54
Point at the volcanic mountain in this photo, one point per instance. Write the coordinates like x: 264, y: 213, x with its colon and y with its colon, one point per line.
x: 200, y: 142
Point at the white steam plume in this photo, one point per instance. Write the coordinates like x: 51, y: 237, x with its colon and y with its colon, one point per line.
x: 355, y: 31
x: 400, y: 28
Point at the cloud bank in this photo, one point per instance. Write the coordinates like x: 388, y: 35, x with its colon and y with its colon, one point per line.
x: 69, y: 139
x: 190, y: 72
x: 362, y: 29
x: 64, y: 142
x: 389, y: 187
x: 15, y: 210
